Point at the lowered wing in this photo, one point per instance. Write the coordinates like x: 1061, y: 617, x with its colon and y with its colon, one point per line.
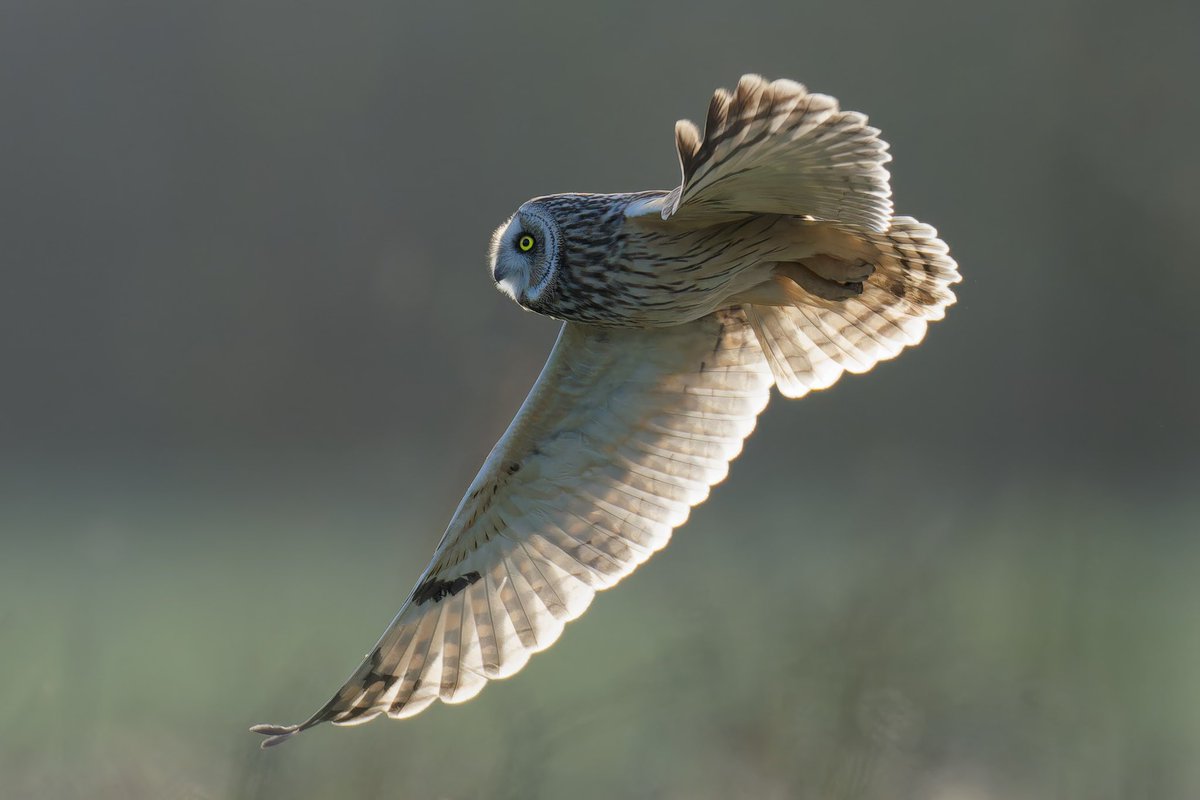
x: 624, y: 431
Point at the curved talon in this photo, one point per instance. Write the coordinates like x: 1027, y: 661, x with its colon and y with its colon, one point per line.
x: 800, y: 276
x: 840, y: 270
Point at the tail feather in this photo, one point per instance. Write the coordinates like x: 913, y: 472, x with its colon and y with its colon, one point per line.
x: 810, y: 343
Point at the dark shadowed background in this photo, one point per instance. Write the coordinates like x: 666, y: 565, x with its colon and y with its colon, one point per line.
x: 251, y: 357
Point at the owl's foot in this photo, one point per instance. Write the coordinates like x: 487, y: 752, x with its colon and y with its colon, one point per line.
x: 793, y: 276
x: 840, y: 270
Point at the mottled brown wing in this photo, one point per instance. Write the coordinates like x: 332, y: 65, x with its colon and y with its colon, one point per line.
x: 622, y: 434
x: 776, y: 148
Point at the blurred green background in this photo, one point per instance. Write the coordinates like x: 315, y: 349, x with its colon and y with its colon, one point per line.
x: 251, y: 357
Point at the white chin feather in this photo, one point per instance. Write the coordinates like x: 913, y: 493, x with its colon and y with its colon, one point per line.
x: 508, y: 286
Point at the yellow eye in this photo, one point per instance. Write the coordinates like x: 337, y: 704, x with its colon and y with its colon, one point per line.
x: 525, y: 243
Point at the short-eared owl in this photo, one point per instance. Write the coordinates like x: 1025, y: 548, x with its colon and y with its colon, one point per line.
x: 775, y: 261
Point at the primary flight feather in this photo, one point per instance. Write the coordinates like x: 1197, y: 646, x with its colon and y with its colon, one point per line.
x: 776, y: 261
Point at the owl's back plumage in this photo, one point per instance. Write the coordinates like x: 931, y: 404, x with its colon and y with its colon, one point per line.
x: 776, y: 261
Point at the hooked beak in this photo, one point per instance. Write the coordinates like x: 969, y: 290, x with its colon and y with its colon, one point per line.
x: 499, y: 273
x: 505, y: 280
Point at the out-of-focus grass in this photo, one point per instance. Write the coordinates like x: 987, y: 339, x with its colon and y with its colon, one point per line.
x: 786, y: 645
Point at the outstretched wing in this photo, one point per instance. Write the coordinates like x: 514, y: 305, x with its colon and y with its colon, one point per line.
x: 622, y: 434
x: 776, y: 148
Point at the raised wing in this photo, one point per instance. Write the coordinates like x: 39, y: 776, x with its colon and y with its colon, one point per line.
x: 776, y: 148
x: 624, y: 431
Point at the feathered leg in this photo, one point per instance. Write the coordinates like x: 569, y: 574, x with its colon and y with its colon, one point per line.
x: 813, y: 327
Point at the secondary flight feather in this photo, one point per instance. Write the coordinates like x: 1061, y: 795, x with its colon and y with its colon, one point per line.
x: 776, y: 261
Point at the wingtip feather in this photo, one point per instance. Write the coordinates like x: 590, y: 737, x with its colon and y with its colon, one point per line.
x: 276, y: 734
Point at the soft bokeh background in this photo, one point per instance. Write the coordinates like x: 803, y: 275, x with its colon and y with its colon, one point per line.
x: 251, y: 357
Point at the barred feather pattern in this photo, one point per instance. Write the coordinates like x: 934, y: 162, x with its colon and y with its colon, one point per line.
x: 623, y: 434
x: 776, y: 148
x: 811, y: 343
x: 679, y: 317
x: 617, y: 272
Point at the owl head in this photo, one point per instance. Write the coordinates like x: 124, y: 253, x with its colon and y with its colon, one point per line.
x: 525, y: 254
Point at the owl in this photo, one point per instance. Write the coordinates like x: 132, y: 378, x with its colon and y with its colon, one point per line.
x: 777, y: 261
